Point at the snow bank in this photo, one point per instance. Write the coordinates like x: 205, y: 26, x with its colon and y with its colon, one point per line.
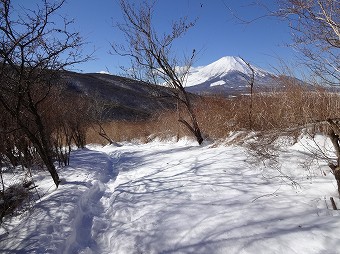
x: 183, y: 198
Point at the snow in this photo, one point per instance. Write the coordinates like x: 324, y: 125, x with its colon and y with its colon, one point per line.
x: 104, y: 72
x: 220, y: 68
x: 167, y: 197
x: 217, y: 83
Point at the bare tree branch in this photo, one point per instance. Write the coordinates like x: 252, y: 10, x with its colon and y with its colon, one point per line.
x: 32, y: 51
x: 152, y: 56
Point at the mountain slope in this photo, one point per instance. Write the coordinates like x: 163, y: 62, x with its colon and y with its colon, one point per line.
x: 229, y: 76
x: 132, y: 100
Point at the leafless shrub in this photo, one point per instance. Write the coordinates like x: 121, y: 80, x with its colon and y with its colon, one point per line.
x: 284, y: 112
x: 19, y: 195
x: 11, y: 199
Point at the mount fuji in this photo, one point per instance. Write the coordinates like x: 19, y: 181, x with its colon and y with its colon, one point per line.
x: 228, y: 76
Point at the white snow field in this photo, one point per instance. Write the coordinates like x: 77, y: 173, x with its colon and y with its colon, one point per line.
x: 168, y: 197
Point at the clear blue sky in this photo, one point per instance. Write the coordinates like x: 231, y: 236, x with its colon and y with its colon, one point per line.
x: 216, y: 34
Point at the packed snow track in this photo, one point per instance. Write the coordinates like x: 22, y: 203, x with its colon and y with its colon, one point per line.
x: 166, y: 197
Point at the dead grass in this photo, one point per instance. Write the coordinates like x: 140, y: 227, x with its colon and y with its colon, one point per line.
x: 288, y: 111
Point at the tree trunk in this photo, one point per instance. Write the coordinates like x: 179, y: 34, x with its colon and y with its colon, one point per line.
x: 197, y: 132
x: 41, y: 142
x: 195, y: 127
x: 334, y: 136
x: 51, y: 169
x: 336, y: 173
x: 337, y: 178
x: 46, y: 156
x: 194, y: 130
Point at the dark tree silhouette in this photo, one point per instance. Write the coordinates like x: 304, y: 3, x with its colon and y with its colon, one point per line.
x: 33, y: 49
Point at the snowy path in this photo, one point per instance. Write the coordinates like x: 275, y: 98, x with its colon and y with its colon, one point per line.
x: 62, y: 221
x: 200, y: 200
x: 179, y: 198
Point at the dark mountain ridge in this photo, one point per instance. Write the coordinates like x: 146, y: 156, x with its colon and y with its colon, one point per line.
x: 130, y: 99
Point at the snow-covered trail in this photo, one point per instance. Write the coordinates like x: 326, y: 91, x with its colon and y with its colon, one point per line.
x: 166, y: 197
x: 187, y: 199
x: 62, y: 221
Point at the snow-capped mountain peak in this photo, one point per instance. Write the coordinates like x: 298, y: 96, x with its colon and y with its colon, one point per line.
x: 225, y: 65
x: 219, y: 69
x: 229, y: 76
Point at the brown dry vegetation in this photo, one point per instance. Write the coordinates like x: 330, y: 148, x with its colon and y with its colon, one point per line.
x: 294, y: 107
x: 291, y: 108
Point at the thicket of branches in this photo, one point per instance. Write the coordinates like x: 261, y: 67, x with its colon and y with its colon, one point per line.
x: 315, y: 28
x: 152, y: 56
x: 35, y: 122
x: 64, y: 127
x: 32, y: 51
x: 316, y: 34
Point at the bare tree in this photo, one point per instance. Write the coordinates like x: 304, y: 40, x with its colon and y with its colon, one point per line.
x: 251, y: 82
x: 316, y: 34
x: 152, y: 56
x: 315, y: 28
x: 99, y: 111
x: 33, y: 48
